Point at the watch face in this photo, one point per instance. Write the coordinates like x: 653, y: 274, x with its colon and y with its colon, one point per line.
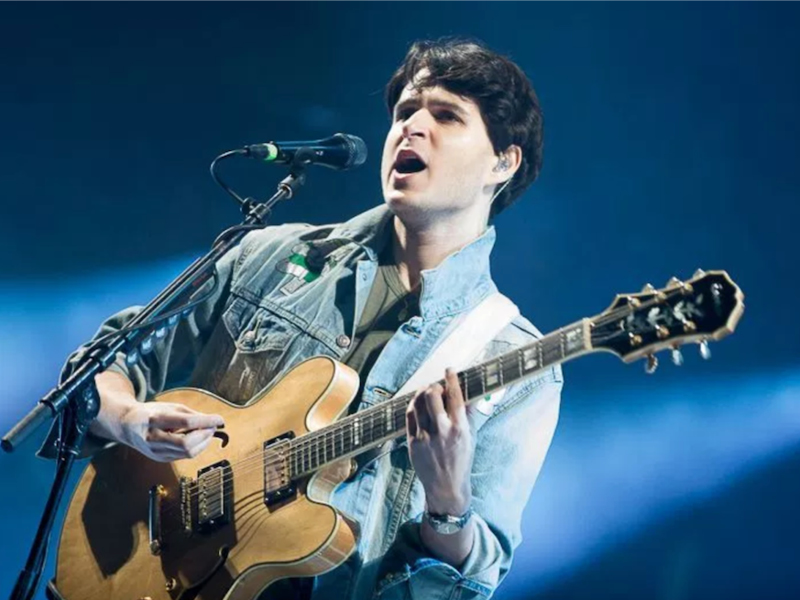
x: 446, y: 528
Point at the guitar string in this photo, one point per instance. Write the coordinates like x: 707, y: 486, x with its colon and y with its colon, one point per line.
x: 328, y: 435
x: 323, y: 442
x: 299, y: 450
x: 373, y: 426
x: 467, y: 378
x: 377, y: 416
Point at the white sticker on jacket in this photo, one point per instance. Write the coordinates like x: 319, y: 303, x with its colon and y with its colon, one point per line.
x: 489, y: 402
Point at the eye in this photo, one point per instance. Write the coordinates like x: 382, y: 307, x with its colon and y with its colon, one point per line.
x: 403, y: 114
x: 447, y: 115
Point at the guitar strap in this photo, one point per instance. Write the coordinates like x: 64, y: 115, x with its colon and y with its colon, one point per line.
x: 464, y: 344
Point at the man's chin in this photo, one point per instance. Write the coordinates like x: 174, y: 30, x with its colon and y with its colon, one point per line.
x: 403, y: 200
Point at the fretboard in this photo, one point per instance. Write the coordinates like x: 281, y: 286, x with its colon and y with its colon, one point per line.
x: 369, y: 428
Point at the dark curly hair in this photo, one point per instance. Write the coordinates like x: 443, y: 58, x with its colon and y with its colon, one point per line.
x: 507, y: 101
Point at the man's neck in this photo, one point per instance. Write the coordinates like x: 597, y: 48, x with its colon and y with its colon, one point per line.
x: 418, y: 248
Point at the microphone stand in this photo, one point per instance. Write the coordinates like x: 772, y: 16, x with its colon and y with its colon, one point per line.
x: 76, y: 399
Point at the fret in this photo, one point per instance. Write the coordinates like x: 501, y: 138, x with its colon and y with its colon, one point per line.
x: 370, y: 428
x: 366, y: 429
x: 399, y: 418
x: 539, y: 346
x: 467, y: 389
x: 476, y: 383
x: 500, y: 369
x: 514, y: 368
x: 491, y: 381
x: 531, y: 357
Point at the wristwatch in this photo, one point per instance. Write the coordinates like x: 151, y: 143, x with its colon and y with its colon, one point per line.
x: 448, y: 524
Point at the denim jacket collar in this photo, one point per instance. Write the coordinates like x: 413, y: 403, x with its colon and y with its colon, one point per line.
x: 459, y: 283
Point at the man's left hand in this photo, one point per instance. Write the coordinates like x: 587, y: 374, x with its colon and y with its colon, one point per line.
x: 440, y: 445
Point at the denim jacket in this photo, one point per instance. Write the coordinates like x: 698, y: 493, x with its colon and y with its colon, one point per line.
x: 289, y: 292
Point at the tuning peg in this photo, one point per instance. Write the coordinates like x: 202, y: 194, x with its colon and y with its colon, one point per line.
x: 699, y: 273
x: 674, y: 282
x: 648, y: 288
x: 677, y: 357
x: 705, y: 351
x: 633, y: 302
x: 651, y: 365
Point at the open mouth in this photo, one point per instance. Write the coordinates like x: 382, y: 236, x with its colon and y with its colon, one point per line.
x: 409, y: 162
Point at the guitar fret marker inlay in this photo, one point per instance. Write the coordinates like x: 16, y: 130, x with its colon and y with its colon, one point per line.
x: 529, y: 358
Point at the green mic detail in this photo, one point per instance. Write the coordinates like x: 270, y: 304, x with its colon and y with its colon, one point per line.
x: 272, y: 153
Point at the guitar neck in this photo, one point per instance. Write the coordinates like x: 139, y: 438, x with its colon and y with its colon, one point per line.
x: 369, y: 428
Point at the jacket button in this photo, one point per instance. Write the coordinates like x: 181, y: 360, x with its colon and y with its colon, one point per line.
x: 249, y: 337
x: 343, y: 341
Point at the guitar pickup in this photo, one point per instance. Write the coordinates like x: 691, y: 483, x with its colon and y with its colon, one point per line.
x: 278, y: 486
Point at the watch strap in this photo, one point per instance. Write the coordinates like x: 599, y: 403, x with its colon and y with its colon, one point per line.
x: 448, y: 524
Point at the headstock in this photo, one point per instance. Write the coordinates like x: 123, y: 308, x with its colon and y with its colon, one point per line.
x: 707, y: 307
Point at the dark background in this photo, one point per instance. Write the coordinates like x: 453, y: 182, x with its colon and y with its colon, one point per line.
x: 672, y: 142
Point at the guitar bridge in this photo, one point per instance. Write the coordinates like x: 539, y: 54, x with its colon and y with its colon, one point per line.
x: 206, y: 502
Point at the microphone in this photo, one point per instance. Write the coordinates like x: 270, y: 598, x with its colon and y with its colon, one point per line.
x: 341, y: 151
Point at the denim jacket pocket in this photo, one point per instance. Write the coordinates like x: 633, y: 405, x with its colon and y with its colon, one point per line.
x: 256, y: 329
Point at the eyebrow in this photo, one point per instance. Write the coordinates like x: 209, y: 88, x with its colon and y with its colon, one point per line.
x: 435, y: 102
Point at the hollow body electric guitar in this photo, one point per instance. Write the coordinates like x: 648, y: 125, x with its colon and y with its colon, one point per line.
x: 253, y: 509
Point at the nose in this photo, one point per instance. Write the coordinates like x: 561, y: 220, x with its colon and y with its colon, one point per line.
x: 416, y: 125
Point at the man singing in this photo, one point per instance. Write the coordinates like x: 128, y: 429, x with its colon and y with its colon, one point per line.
x: 439, y: 513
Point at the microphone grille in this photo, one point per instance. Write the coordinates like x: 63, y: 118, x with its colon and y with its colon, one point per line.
x: 356, y: 150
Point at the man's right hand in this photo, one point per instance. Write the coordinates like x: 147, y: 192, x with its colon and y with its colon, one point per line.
x: 163, y: 431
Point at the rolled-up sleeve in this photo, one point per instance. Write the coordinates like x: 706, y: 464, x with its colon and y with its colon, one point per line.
x: 171, y: 358
x: 510, y: 450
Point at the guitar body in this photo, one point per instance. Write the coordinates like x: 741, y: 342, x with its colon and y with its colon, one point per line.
x: 253, y: 508
x: 105, y: 548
